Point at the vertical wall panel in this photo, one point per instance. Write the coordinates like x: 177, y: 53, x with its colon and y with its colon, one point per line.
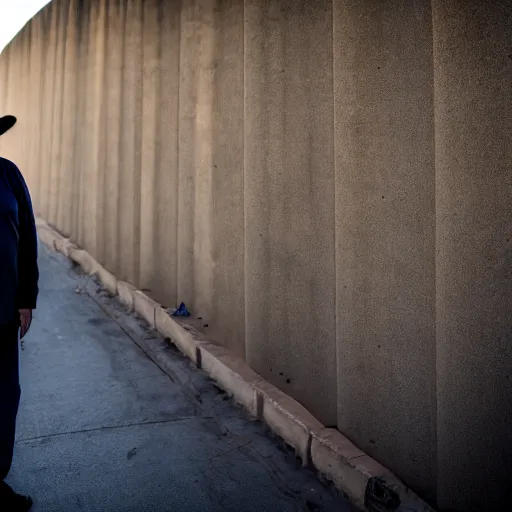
x: 81, y: 135
x: 151, y: 38
x: 473, y: 92
x: 131, y: 142
x: 88, y: 169
x: 35, y: 108
x: 203, y: 168
x: 67, y: 141
x: 165, y: 205
x: 159, y: 150
x: 91, y: 131
x: 195, y: 269
x: 227, y: 322
x: 385, y: 227
x: 4, y: 75
x: 23, y: 108
x: 10, y: 139
x: 159, y: 206
x: 54, y: 154
x: 189, y: 48
x: 113, y: 112
x: 289, y: 199
x: 50, y: 76
x: 101, y: 147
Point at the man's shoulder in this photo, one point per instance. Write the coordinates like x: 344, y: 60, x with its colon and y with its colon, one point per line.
x: 12, y: 174
x: 10, y: 170
x: 7, y: 164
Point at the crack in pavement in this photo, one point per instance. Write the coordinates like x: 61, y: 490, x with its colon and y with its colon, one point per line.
x: 227, y: 452
x: 109, y: 427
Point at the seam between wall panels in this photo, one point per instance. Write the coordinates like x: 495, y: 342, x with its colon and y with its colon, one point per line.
x: 178, y: 144
x: 243, y: 175
x: 244, y: 95
x: 434, y: 134
x: 335, y: 252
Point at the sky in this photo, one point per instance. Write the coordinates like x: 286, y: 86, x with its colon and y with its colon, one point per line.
x: 13, y: 16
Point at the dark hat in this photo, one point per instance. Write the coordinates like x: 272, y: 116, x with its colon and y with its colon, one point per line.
x: 6, y: 123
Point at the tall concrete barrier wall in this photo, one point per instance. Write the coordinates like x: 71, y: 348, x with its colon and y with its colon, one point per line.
x: 327, y: 184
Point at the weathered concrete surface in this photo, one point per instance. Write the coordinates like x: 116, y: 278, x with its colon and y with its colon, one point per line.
x: 285, y: 416
x: 325, y: 183
x: 473, y: 92
x: 289, y: 199
x: 102, y: 428
x: 385, y: 234
x: 160, y: 88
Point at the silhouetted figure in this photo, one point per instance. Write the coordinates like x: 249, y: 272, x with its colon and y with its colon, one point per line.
x: 18, y: 294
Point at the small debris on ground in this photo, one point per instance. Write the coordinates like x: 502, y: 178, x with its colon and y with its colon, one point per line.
x: 181, y: 311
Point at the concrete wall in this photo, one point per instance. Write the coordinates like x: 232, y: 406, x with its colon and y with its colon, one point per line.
x: 385, y: 233
x: 326, y: 183
x: 473, y: 119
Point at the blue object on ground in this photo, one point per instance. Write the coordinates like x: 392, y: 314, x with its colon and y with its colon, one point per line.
x: 181, y: 311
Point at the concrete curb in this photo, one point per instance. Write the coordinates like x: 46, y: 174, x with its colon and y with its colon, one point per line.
x: 187, y: 340
x: 327, y: 450
x: 233, y: 375
x: 145, y: 307
x: 107, y: 279
x: 288, y: 419
x: 125, y: 292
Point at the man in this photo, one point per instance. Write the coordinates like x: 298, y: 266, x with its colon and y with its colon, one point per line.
x: 18, y: 293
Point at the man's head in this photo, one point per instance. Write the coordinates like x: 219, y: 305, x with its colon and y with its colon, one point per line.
x: 6, y: 123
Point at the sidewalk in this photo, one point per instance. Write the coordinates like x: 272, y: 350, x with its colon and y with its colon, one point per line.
x: 103, y: 429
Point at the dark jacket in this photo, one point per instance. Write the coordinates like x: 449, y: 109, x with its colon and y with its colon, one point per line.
x: 19, y: 273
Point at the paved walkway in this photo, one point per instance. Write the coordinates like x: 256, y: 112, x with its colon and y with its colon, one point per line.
x: 103, y: 429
